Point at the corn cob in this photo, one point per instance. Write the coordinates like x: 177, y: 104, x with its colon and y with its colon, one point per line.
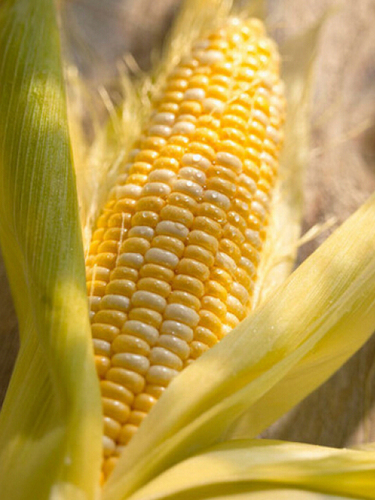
x: 173, y: 261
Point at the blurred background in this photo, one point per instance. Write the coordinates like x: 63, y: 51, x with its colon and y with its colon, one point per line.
x: 340, y: 173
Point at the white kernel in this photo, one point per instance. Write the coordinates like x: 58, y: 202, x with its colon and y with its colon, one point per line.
x: 267, y: 158
x: 253, y: 238
x: 178, y: 329
x: 162, y: 257
x: 102, y: 347
x: 188, y: 187
x: 213, y: 105
x: 129, y: 361
x: 258, y: 210
x: 141, y: 330
x: 229, y: 160
x: 223, y: 260
x: 184, y: 128
x: 233, y: 304
x: 262, y: 197
x: 247, y: 265
x: 276, y: 101
x: 239, y: 291
x: 156, y: 189
x: 174, y: 344
x: 209, y: 56
x: 109, y: 446
x: 146, y: 232
x: 266, y: 78
x: 248, y: 182
x: 216, y: 198
x: 226, y: 329
x: 195, y: 160
x: 160, y: 375
x: 184, y: 314
x: 263, y: 92
x: 161, y: 356
x: 128, y: 191
x: 115, y: 302
x: 193, y: 174
x: 195, y: 94
x: 171, y: 228
x: 160, y: 130
x: 231, y: 320
x: 141, y: 298
x: 257, y: 114
x: 161, y: 175
x: 164, y: 118
x: 273, y: 134
x: 134, y: 260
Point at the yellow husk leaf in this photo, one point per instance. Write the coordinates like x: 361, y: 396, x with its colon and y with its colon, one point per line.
x: 261, y: 469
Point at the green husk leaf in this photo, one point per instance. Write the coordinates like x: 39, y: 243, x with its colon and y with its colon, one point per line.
x: 50, y: 425
x: 311, y: 318
x: 261, y: 469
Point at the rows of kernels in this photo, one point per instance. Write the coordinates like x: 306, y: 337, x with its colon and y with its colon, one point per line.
x: 173, y: 261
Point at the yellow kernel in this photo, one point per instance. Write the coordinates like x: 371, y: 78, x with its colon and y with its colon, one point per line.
x: 193, y: 268
x: 124, y: 273
x: 156, y: 271
x: 159, y: 287
x: 144, y: 402
x: 117, y: 392
x: 115, y: 409
x: 199, y: 253
x: 145, y: 218
x: 209, y: 320
x: 185, y: 298
x: 130, y: 361
x: 148, y: 316
x: 184, y: 201
x: 111, y: 427
x: 214, y: 305
x: 121, y: 287
x: 131, y: 344
x: 197, y: 349
x: 205, y: 336
x: 188, y: 284
x: 111, y: 317
x: 131, y: 380
x: 108, y: 246
x: 169, y: 243
x: 104, y: 332
x: 127, y: 432
x: 208, y: 226
x: 177, y: 214
x: 96, y: 287
x: 102, y: 364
